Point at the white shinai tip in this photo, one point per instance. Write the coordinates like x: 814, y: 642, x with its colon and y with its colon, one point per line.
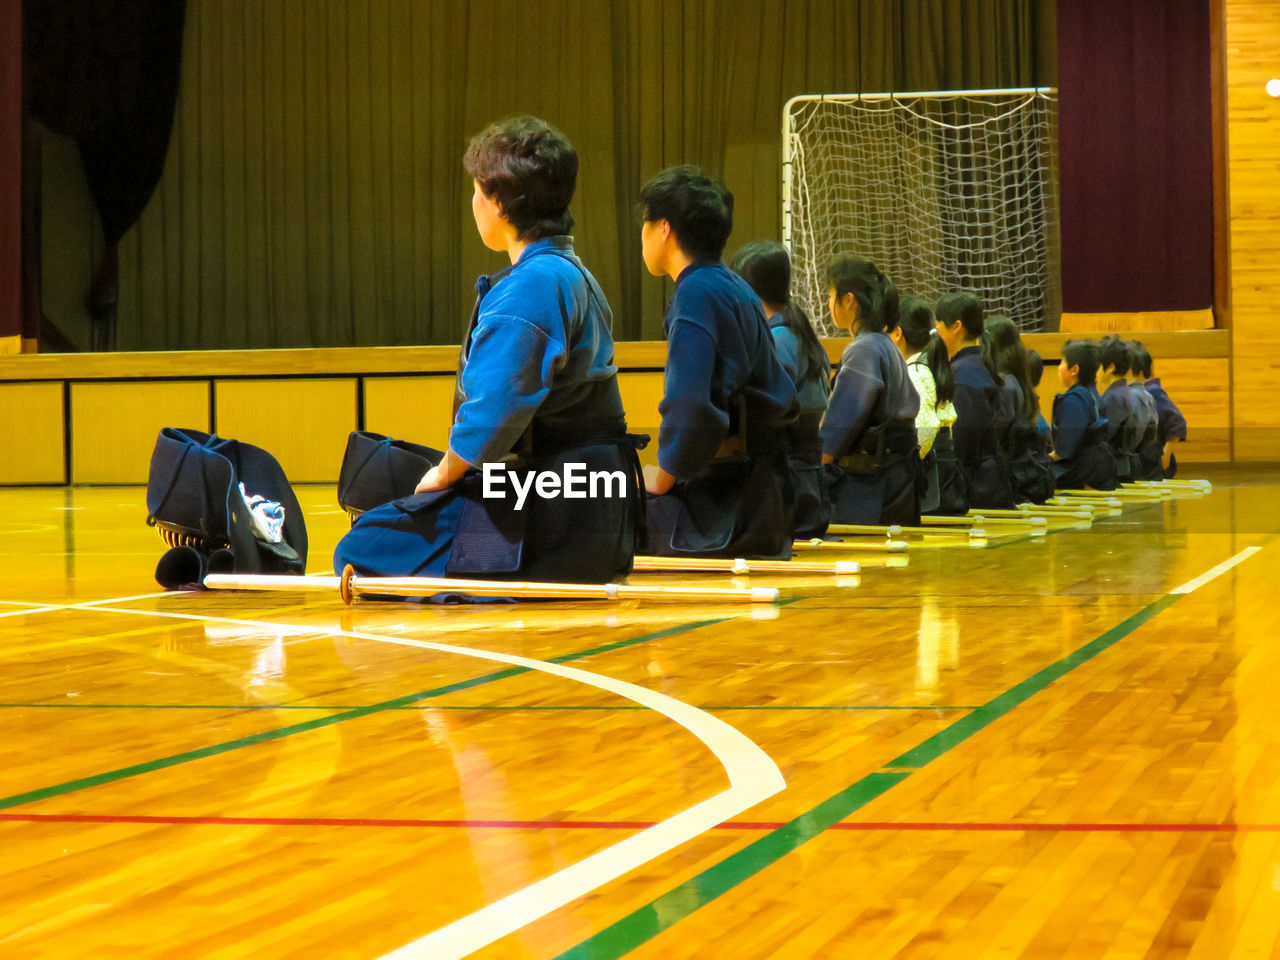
x: 764, y: 594
x: 847, y: 566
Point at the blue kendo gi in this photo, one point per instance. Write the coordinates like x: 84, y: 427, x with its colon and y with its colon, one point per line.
x: 537, y: 389
x: 804, y: 454
x: 1146, y: 455
x: 1026, y: 459
x: 1079, y: 441
x: 870, y: 432
x: 725, y: 407
x: 980, y: 420
x: 1121, y: 428
x: 1172, y: 424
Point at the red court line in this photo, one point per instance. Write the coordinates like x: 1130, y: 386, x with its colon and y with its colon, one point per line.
x: 639, y: 824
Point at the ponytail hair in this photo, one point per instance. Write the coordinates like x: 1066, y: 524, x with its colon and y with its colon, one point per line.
x: 915, y: 317
x: 935, y: 356
x: 766, y: 267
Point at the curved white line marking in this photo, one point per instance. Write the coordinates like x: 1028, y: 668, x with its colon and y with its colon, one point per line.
x: 1191, y: 586
x: 753, y: 777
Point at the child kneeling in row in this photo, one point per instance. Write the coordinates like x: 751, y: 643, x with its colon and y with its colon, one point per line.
x: 1081, y: 456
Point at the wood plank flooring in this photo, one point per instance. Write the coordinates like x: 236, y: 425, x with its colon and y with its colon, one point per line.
x: 1029, y: 750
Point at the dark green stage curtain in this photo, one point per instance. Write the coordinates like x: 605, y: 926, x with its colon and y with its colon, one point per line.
x: 314, y: 194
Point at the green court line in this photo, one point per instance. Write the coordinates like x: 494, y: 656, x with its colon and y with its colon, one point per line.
x: 966, y: 727
x: 676, y: 904
x: 110, y: 776
x: 441, y: 706
x: 641, y: 925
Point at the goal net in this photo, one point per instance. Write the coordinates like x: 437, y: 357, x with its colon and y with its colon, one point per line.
x: 942, y: 191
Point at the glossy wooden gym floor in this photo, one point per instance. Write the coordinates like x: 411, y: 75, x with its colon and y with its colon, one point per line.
x: 1031, y: 750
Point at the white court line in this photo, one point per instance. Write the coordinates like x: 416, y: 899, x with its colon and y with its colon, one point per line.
x: 26, y: 610
x: 85, y: 605
x: 1193, y: 585
x: 753, y: 777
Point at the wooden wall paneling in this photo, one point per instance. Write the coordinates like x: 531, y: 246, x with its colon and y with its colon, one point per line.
x: 641, y: 394
x: 337, y: 361
x: 32, y: 448
x: 1253, y: 121
x: 304, y: 423
x: 636, y: 357
x: 419, y: 409
x: 408, y: 391
x: 114, y: 425
x: 1125, y: 323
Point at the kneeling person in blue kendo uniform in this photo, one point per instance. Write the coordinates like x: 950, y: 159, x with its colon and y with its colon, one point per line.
x: 537, y: 391
x: 1146, y: 415
x: 1171, y: 425
x: 869, y: 433
x: 721, y: 486
x: 1117, y: 406
x: 1003, y: 351
x: 766, y: 266
x: 980, y: 419
x: 1081, y: 456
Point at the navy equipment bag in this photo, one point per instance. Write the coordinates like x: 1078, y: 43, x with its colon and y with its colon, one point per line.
x: 222, y: 506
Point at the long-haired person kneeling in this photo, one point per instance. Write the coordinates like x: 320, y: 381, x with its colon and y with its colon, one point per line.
x: 766, y: 266
x: 869, y: 432
x: 942, y: 489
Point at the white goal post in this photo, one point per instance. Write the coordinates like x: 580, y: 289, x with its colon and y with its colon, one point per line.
x: 943, y: 190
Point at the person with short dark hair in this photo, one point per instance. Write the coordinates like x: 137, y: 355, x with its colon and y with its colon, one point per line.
x: 1171, y: 424
x: 1117, y: 407
x: 721, y: 487
x: 868, y: 434
x: 977, y: 430
x: 1081, y: 456
x: 766, y: 266
x: 1003, y: 351
x: 930, y: 371
x: 1147, y: 465
x: 536, y: 387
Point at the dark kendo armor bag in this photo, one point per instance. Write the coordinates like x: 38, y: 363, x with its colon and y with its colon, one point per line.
x: 377, y: 469
x: 194, y: 499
